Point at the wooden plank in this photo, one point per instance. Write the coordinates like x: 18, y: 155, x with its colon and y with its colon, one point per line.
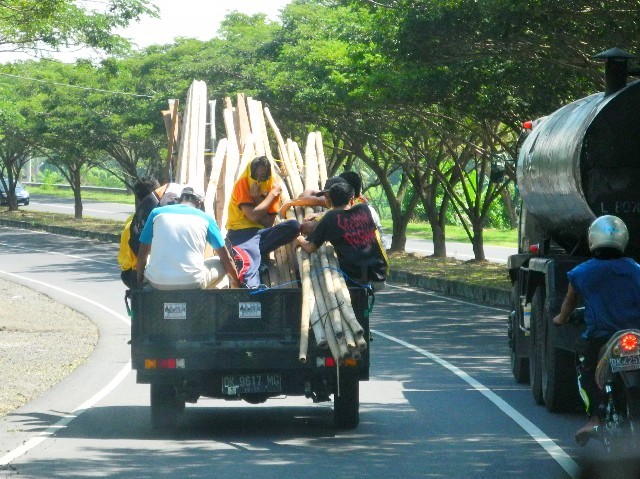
x: 214, y: 179
x: 244, y: 128
x: 172, y: 149
x: 231, y: 166
x: 254, y: 112
x: 200, y: 132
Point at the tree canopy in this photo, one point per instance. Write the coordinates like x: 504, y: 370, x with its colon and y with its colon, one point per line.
x: 424, y: 96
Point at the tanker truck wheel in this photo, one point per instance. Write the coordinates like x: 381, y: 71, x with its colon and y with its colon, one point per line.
x: 165, y: 406
x: 519, y: 364
x: 346, y: 405
x: 559, y: 381
x: 536, y: 339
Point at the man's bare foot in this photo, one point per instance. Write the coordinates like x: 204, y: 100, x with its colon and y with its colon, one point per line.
x: 588, y: 431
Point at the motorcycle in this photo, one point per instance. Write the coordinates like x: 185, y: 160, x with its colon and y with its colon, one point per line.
x: 618, y: 376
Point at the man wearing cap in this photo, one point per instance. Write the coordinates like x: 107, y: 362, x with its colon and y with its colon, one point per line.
x: 251, y: 227
x: 172, y: 245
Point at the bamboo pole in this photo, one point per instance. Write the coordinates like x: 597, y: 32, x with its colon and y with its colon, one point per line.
x: 329, y: 291
x: 344, y: 300
x: 305, y: 314
x: 322, y: 297
x: 322, y: 163
x: 294, y: 172
x: 322, y: 311
x: 311, y: 176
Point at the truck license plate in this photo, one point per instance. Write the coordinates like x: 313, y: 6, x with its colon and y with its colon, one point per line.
x: 251, y: 383
x: 625, y: 363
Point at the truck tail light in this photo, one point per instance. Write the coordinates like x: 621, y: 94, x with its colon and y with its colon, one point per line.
x: 164, y: 363
x: 325, y: 362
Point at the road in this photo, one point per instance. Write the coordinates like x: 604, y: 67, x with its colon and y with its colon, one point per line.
x: 115, y: 211
x: 441, y: 402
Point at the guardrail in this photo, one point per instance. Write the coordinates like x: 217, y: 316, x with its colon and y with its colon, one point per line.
x: 102, y: 189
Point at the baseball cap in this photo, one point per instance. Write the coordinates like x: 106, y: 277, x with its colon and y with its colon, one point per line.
x: 193, y: 191
x: 334, y: 180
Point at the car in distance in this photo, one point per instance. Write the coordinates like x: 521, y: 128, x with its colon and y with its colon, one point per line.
x: 22, y: 195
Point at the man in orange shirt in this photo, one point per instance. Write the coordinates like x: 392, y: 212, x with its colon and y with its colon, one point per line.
x: 251, y: 228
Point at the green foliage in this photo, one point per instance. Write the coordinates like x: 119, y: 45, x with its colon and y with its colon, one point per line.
x: 49, y: 178
x: 33, y: 25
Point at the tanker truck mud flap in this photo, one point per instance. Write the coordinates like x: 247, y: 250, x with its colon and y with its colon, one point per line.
x: 537, y: 339
x: 519, y: 324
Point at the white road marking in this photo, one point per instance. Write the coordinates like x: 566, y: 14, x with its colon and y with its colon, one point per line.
x: 36, y: 250
x: 62, y: 423
x: 562, y: 458
x: 84, y: 208
x: 436, y: 295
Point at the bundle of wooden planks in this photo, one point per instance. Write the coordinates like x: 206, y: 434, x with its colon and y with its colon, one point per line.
x: 197, y: 157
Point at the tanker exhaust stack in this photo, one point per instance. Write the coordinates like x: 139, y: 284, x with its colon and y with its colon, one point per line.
x: 616, y: 69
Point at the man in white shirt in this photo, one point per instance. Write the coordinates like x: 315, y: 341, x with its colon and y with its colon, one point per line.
x: 172, y: 246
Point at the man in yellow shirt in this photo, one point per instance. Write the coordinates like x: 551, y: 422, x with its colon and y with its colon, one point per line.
x: 251, y: 228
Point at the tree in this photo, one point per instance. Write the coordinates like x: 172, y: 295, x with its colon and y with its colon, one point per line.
x: 17, y: 129
x: 67, y: 124
x: 35, y: 26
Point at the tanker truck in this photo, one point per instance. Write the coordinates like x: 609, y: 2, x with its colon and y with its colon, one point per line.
x: 579, y: 162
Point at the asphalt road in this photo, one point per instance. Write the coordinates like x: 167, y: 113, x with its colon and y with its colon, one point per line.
x: 115, y: 211
x: 441, y: 402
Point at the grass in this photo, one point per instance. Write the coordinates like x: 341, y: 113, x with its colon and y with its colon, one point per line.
x: 104, y: 197
x: 458, y: 234
x: 67, y: 221
x: 473, y: 272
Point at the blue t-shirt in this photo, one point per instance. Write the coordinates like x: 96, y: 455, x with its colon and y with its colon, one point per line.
x: 611, y: 293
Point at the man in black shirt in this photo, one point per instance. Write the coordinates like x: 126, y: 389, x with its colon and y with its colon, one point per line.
x: 352, y: 232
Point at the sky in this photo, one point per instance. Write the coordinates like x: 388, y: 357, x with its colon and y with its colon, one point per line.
x: 194, y: 18
x: 178, y: 18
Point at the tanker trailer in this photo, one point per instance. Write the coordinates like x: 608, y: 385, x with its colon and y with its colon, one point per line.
x: 578, y: 163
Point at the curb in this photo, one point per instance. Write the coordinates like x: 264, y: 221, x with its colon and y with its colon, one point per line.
x: 106, y: 237
x: 481, y: 294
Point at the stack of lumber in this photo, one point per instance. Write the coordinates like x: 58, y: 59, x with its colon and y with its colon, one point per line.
x: 215, y: 165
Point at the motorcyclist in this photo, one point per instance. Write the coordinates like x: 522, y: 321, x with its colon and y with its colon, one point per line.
x: 609, y: 286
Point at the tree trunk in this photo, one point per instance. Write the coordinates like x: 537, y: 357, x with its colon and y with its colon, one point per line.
x: 439, y: 243
x: 77, y: 195
x: 510, y: 207
x: 478, y: 240
x: 399, y: 236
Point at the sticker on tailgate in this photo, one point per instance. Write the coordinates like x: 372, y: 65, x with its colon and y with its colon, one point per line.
x: 175, y: 310
x: 250, y: 310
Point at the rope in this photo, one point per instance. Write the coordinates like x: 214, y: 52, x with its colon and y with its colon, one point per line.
x: 264, y: 288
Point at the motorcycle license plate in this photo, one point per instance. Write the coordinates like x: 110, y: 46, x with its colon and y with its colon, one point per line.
x: 625, y: 363
x: 251, y: 383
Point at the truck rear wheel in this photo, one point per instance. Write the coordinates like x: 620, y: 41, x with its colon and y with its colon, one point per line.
x: 346, y: 405
x: 536, y: 339
x: 559, y: 381
x: 519, y: 362
x: 165, y: 406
